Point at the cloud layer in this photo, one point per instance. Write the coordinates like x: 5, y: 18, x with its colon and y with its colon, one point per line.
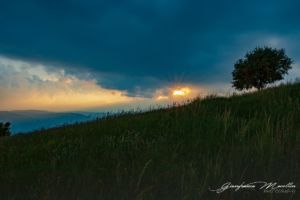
x: 143, y: 46
x: 30, y: 85
x: 26, y: 85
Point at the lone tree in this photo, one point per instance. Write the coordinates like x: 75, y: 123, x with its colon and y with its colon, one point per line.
x: 260, y: 67
x: 4, y: 129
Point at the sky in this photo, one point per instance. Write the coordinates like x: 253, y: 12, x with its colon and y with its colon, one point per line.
x: 96, y: 55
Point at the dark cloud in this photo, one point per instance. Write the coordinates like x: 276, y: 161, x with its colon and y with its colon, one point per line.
x: 143, y: 43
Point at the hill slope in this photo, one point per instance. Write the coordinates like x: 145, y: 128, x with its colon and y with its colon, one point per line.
x: 174, y: 153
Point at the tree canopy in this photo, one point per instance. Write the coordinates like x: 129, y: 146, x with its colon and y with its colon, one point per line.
x: 260, y: 67
x: 4, y: 129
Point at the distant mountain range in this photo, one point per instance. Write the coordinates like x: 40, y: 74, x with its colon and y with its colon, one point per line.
x: 29, y: 120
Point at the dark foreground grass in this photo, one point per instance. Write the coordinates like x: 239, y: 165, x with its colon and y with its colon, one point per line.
x: 174, y: 153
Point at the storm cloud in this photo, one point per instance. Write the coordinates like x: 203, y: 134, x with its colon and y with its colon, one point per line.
x: 142, y: 45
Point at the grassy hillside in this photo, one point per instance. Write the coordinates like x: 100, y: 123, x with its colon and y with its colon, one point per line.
x: 174, y: 153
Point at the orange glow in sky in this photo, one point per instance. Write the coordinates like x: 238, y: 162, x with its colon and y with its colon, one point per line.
x: 181, y: 92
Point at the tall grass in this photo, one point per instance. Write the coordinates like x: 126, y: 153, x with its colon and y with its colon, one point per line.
x: 174, y: 153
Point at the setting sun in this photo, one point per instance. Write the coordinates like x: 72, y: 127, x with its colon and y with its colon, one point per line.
x: 181, y: 92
